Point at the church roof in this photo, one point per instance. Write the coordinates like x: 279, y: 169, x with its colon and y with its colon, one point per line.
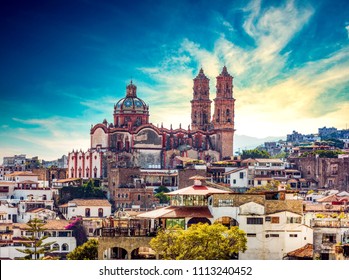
x: 201, y: 75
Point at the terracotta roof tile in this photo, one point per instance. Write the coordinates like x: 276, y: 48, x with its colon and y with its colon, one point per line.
x: 305, y: 252
x: 90, y: 202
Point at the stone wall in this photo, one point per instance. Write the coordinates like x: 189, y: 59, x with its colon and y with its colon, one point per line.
x: 271, y: 206
x: 185, y: 174
x: 327, y: 172
x: 127, y: 243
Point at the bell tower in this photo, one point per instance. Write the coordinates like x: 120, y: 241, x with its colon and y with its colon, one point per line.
x: 223, y: 116
x: 201, y: 103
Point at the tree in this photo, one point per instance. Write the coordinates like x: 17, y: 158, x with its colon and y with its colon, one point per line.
x: 160, y: 194
x: 79, y: 231
x: 87, y: 251
x: 199, y: 242
x: 255, y: 153
x: 34, y: 244
x: 87, y: 190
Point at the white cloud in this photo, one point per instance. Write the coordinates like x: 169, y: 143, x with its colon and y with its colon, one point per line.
x: 268, y: 103
x: 48, y: 138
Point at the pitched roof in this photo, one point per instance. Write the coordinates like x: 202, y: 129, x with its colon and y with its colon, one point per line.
x: 50, y: 224
x: 178, y: 212
x: 235, y: 170
x: 305, y: 252
x: 272, y: 160
x: 67, y: 180
x: 196, y: 190
x: 329, y: 198
x: 21, y: 173
x: 90, y: 202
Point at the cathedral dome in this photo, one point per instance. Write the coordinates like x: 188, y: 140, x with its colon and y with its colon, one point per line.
x: 131, y: 102
x: 131, y: 111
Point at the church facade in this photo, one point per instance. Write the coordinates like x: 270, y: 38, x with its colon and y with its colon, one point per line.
x: 130, y: 140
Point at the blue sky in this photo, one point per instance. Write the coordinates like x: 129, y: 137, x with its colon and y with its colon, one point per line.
x: 65, y: 63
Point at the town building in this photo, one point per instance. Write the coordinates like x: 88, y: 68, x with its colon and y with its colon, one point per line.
x: 321, y: 172
x: 329, y: 234
x: 55, y: 230
x: 130, y: 140
x: 86, y: 208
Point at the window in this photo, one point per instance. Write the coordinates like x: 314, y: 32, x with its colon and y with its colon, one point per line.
x: 268, y: 219
x: 63, y: 234
x: 294, y: 220
x: 100, y: 212
x: 259, y: 182
x: 65, y: 247
x: 271, y: 235
x: 255, y: 221
x: 251, y: 235
x: 87, y: 212
x: 293, y: 235
x: 241, y: 175
x: 329, y: 238
x: 275, y: 220
x: 55, y: 247
x: 234, y: 181
x: 225, y: 202
x: 139, y: 197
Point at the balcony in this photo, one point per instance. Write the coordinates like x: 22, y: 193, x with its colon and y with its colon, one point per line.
x: 269, y: 167
x: 330, y: 223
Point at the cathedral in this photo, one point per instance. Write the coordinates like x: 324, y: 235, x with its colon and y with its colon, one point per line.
x: 130, y: 140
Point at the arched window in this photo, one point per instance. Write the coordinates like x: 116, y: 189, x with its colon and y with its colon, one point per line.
x: 87, y: 212
x: 55, y: 247
x: 100, y: 212
x: 65, y: 247
x: 44, y: 197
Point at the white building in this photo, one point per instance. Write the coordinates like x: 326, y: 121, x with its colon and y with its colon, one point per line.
x: 237, y: 178
x: 63, y: 239
x: 86, y: 208
x: 271, y: 236
x: 85, y: 164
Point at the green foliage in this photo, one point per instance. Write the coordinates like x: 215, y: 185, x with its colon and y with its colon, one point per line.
x: 160, y: 194
x: 323, y: 153
x: 255, y: 153
x: 34, y: 244
x: 199, y: 242
x: 163, y: 198
x: 87, y: 190
x: 334, y: 143
x: 79, y: 231
x: 281, y: 155
x: 271, y: 186
x: 87, y: 251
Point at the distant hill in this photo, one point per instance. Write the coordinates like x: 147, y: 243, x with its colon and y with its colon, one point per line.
x: 244, y: 142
